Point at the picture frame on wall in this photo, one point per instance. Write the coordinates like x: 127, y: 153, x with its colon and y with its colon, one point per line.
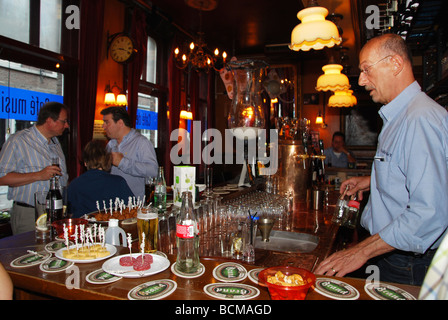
x: 311, y: 99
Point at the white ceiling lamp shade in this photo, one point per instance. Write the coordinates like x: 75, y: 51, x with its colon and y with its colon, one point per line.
x: 332, y: 79
x: 342, y: 98
x: 315, y: 32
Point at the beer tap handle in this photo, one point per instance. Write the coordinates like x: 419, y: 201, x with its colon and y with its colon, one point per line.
x: 321, y: 147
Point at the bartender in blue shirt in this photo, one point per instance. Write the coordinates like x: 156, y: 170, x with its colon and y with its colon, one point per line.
x: 407, y: 211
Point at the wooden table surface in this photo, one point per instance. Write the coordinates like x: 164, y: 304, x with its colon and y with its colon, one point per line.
x: 31, y: 280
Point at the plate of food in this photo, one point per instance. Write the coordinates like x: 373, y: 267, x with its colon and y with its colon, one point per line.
x: 86, y: 254
x: 136, y: 265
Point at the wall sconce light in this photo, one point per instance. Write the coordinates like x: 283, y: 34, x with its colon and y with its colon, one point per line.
x: 186, y: 114
x: 319, y: 118
x: 109, y: 97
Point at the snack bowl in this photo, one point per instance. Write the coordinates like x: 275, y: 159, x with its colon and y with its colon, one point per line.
x: 70, y: 224
x: 287, y: 292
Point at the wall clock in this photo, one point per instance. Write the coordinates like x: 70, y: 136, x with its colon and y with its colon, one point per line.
x: 121, y: 48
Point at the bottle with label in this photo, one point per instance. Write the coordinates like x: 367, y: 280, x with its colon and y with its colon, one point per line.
x: 187, y: 234
x: 54, y: 204
x: 352, y: 212
x: 160, y: 192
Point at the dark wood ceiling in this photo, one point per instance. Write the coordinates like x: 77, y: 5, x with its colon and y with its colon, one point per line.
x: 263, y: 27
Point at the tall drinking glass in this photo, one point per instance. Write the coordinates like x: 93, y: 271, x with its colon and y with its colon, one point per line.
x: 42, y: 226
x: 147, y: 224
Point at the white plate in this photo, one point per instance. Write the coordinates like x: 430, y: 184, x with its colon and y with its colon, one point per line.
x: 112, y: 250
x: 113, y: 266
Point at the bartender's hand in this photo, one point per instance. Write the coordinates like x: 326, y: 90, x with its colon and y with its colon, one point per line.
x: 345, y: 261
x: 356, y: 184
x: 116, y: 158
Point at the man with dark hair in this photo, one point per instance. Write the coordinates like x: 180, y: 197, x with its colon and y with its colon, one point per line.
x: 337, y: 155
x: 26, y: 163
x: 407, y: 211
x: 133, y: 155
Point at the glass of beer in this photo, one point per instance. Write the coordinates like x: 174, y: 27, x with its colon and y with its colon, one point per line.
x: 147, y: 223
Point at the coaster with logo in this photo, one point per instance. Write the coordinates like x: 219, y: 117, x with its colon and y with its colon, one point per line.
x: 30, y: 259
x: 55, y: 265
x: 101, y: 277
x: 230, y: 272
x: 231, y: 291
x: 253, y: 275
x: 153, y: 290
x: 335, y: 289
x: 383, y: 291
x: 181, y: 274
x: 54, y: 246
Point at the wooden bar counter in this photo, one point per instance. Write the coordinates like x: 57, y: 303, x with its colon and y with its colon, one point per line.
x: 32, y: 283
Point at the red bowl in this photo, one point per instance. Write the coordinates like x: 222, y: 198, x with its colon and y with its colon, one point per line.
x: 278, y: 292
x: 70, y: 224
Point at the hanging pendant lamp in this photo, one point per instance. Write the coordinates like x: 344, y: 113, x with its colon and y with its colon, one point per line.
x: 315, y: 32
x: 342, y: 98
x: 332, y: 79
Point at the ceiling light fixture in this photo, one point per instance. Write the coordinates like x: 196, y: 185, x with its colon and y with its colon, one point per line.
x: 315, y: 32
x: 198, y: 57
x: 332, y: 79
x: 342, y: 98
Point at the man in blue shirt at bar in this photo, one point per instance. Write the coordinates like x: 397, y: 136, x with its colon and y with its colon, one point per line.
x: 133, y: 155
x: 407, y: 211
x: 337, y: 155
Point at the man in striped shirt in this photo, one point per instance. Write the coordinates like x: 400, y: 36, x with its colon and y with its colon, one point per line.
x: 26, y: 163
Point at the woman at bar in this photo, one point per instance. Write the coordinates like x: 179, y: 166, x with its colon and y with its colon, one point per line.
x: 97, y: 183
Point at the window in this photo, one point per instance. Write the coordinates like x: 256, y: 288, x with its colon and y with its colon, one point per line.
x: 18, y: 21
x: 148, y: 103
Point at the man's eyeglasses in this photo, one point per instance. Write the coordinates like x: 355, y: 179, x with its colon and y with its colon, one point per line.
x: 63, y: 121
x: 367, y: 69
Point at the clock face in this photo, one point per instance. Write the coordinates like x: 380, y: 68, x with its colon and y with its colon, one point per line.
x: 121, y: 49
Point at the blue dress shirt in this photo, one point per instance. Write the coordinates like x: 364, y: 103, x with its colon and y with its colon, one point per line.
x: 139, y: 160
x: 408, y: 204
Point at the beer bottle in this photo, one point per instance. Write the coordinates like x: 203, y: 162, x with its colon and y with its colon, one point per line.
x: 160, y: 192
x: 187, y: 235
x: 54, y: 204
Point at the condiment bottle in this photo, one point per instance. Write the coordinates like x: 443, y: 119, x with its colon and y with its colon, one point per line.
x: 187, y: 234
x: 113, y: 234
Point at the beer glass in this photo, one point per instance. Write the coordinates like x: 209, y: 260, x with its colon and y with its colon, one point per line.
x: 147, y: 224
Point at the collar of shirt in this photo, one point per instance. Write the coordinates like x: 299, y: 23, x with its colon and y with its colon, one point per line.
x: 390, y: 110
x: 39, y: 136
x: 113, y: 144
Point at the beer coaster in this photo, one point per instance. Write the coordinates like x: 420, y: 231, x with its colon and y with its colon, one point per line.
x: 335, y: 289
x: 253, y: 275
x: 55, y: 265
x: 54, y: 246
x: 229, y: 272
x: 153, y: 290
x: 383, y: 291
x: 30, y: 259
x: 231, y: 291
x: 181, y: 274
x: 101, y: 277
